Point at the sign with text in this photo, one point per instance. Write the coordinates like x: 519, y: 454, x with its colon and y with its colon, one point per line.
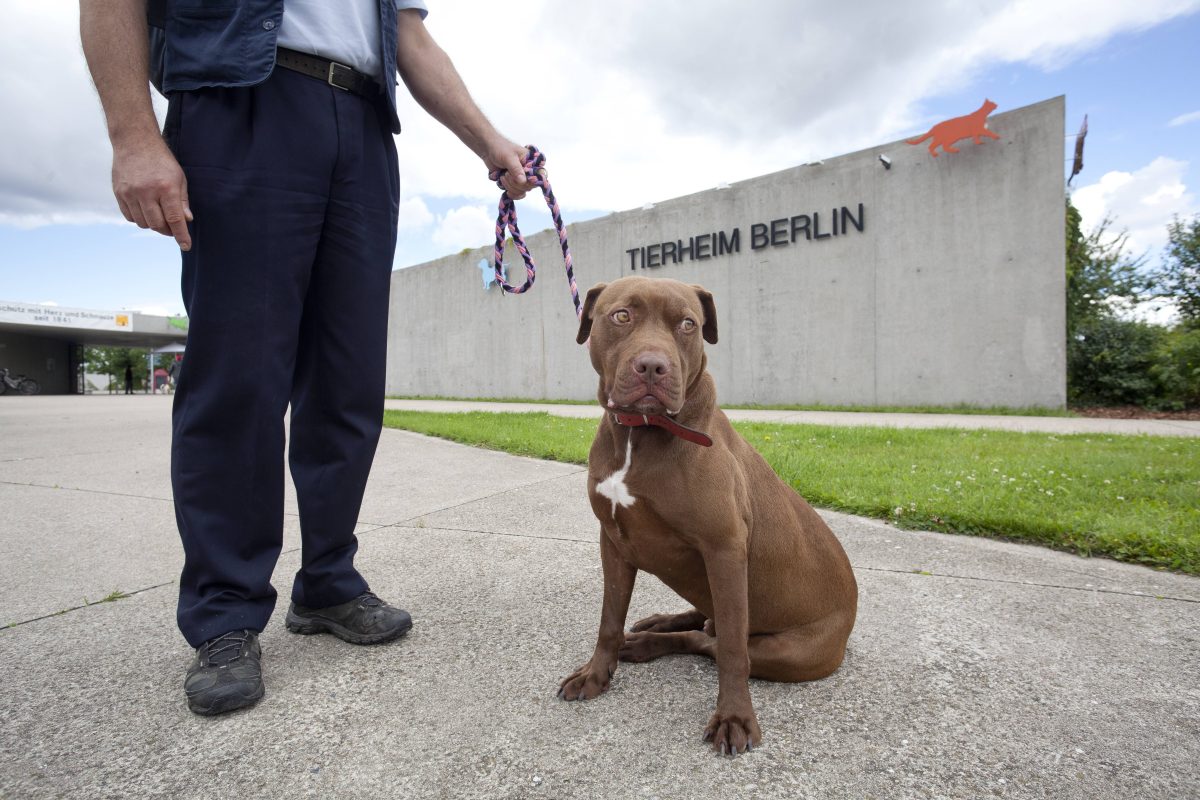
x: 815, y: 226
x: 59, y: 317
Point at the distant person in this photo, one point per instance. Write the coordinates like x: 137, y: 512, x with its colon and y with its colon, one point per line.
x: 173, y: 373
x: 276, y: 173
x: 128, y: 379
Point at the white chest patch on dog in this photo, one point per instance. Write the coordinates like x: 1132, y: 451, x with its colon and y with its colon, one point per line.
x: 613, y: 487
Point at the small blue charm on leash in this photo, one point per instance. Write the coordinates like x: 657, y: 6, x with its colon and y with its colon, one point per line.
x: 489, y: 273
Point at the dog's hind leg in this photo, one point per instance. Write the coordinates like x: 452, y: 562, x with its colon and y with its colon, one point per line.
x: 807, y: 653
x: 670, y: 623
x: 649, y: 645
x: 800, y: 654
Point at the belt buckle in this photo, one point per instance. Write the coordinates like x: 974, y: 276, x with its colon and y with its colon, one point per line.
x: 334, y: 70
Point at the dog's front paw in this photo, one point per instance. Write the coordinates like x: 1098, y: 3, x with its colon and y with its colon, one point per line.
x: 585, y: 683
x: 731, y: 734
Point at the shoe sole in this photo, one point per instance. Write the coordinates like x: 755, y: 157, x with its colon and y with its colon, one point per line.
x: 307, y: 626
x: 226, y: 703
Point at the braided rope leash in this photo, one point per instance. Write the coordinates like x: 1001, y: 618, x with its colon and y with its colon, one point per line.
x: 535, y: 173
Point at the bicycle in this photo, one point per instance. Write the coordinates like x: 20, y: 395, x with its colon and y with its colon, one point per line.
x: 22, y: 383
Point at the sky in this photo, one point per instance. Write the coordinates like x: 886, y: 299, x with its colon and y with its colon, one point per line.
x: 636, y: 102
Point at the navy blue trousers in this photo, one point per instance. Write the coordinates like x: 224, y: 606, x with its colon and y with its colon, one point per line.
x: 294, y: 188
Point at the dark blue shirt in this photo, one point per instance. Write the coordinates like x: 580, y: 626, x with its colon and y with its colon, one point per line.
x: 200, y: 43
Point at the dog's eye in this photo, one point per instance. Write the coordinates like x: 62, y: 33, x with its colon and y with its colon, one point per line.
x: 620, y: 316
x: 688, y: 325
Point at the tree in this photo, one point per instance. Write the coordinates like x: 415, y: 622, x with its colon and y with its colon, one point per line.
x: 112, y: 361
x: 1179, y: 277
x: 1101, y: 276
x: 1108, y: 357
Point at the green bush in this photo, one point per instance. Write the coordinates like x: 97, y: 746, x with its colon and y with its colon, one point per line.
x: 1110, y: 361
x: 1177, y: 368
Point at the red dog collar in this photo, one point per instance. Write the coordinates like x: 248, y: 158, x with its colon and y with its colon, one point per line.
x: 661, y: 421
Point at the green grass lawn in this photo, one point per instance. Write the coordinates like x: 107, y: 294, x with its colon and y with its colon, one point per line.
x: 1132, y: 498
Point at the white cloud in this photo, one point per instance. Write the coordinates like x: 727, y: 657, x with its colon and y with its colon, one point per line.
x: 631, y: 101
x: 1160, y: 311
x: 54, y: 153
x: 466, y: 226
x: 1141, y: 203
x: 657, y: 100
x: 414, y: 214
x: 1184, y: 119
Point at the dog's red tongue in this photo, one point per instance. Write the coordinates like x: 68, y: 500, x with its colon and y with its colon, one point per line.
x: 662, y: 421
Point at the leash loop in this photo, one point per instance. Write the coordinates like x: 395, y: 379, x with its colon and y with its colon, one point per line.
x: 506, y: 218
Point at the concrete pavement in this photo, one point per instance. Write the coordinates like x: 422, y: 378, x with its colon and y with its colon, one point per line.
x: 1157, y: 427
x: 977, y: 668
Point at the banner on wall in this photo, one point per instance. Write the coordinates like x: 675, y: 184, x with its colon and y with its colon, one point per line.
x: 59, y: 317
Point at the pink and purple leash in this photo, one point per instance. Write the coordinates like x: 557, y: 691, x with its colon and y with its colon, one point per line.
x: 535, y: 173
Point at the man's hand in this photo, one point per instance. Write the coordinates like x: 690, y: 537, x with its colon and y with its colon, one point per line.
x: 151, y: 189
x: 503, y: 154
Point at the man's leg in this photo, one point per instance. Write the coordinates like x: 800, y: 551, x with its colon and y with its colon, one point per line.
x: 258, y: 162
x: 337, y: 396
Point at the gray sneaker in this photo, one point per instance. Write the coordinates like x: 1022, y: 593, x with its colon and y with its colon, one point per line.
x: 226, y: 674
x: 364, y: 620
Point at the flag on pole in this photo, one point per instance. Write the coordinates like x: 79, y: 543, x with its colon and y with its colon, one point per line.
x: 1077, y: 167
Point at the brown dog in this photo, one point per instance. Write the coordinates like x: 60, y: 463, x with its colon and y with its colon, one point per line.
x: 772, y: 591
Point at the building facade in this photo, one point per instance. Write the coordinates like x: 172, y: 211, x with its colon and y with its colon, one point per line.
x: 883, y: 277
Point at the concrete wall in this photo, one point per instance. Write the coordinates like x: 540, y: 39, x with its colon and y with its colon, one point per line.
x: 952, y: 293
x: 45, y: 360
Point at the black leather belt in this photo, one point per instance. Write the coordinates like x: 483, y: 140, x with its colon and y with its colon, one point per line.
x: 333, y: 73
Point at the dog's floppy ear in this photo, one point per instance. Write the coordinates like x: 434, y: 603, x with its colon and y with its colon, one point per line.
x: 710, y: 313
x: 585, y: 319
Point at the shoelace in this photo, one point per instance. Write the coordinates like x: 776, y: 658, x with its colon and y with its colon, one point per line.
x: 227, y: 648
x: 370, y: 600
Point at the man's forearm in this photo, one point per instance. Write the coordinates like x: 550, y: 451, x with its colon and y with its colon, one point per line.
x: 149, y: 185
x: 115, y: 44
x: 434, y: 83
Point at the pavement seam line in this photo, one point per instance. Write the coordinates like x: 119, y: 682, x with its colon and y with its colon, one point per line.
x: 1141, y: 595
x: 497, y: 493
x: 66, y: 611
x: 927, y: 574
x: 132, y: 592
x: 89, y: 491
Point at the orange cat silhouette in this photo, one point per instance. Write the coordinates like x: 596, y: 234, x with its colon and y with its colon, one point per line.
x: 945, y: 134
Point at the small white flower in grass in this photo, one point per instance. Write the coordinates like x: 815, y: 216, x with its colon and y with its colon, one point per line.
x: 1119, y: 497
x: 1107, y: 481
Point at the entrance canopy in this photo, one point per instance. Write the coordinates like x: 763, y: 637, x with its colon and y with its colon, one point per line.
x: 92, y: 327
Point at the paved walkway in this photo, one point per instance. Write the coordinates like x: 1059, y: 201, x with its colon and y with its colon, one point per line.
x: 1156, y: 427
x: 977, y: 668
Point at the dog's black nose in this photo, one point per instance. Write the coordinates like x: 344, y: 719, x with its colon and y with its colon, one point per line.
x: 651, y: 366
